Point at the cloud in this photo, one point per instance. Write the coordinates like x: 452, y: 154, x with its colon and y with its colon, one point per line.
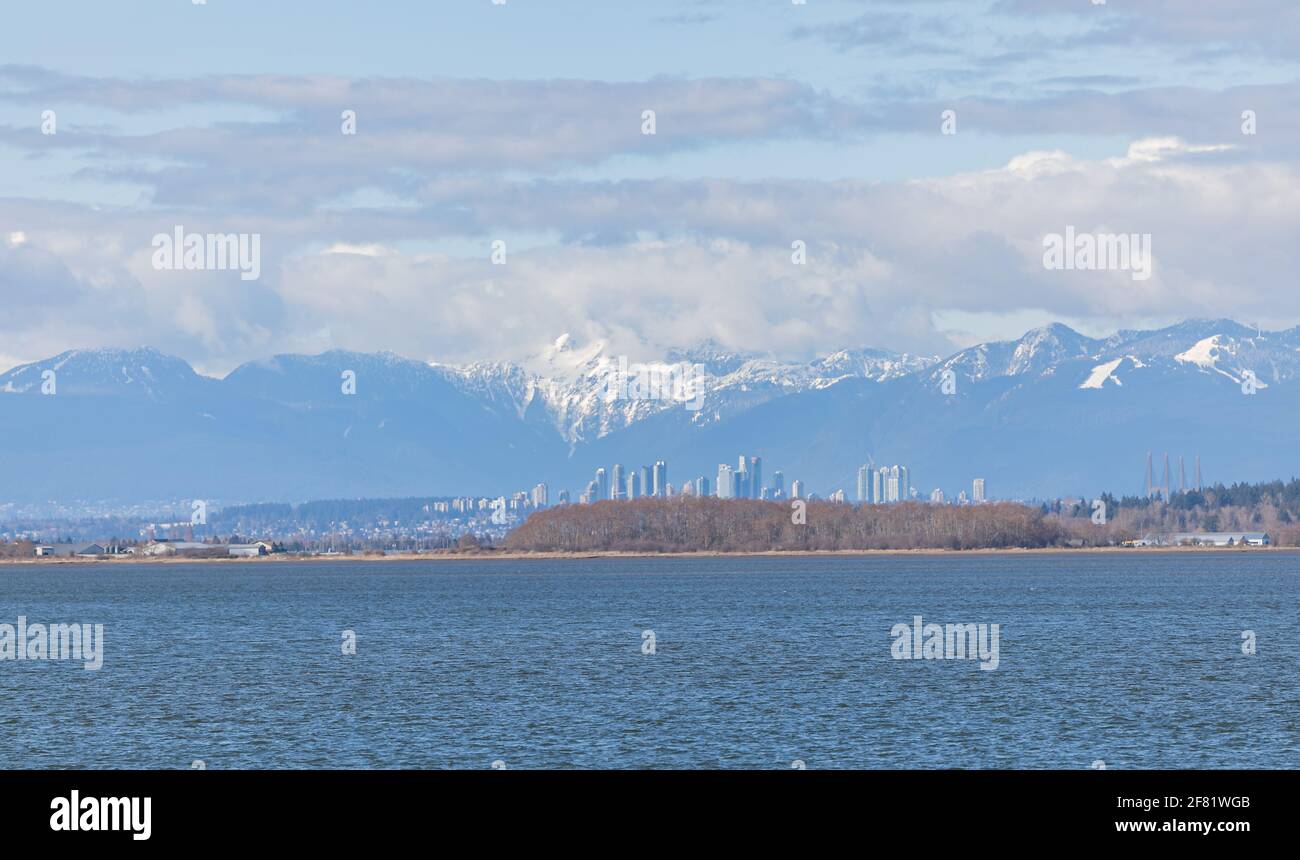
x: 892, y: 32
x: 404, y: 128
x: 1234, y: 27
x: 413, y: 135
x: 381, y: 240
x: 711, y: 259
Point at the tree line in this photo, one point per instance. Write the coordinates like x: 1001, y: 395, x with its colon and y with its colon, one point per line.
x: 691, y: 524
x: 1272, y: 507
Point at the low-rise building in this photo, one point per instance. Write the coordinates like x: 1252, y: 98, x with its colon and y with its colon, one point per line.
x: 173, y: 547
x: 1207, y: 539
x: 75, y: 550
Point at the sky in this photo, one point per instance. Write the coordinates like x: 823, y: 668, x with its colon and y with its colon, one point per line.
x: 500, y: 189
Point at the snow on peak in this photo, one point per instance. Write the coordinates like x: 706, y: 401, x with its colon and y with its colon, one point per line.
x: 1103, y: 373
x: 577, y: 384
x: 1204, y: 354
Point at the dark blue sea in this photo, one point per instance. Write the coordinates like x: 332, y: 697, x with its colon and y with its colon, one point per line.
x: 1134, y: 661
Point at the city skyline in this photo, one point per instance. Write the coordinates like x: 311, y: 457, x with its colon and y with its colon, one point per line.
x: 875, y: 485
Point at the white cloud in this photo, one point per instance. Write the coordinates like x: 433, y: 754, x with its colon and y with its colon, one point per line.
x: 648, y: 265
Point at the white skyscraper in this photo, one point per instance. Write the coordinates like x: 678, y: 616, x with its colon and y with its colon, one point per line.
x: 977, y: 490
x: 893, y: 485
x: 725, y: 481
x: 661, y: 478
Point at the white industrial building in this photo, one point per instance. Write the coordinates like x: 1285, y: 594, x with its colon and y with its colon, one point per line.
x: 1207, y: 539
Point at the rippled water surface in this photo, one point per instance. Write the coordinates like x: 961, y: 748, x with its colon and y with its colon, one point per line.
x: 1133, y: 660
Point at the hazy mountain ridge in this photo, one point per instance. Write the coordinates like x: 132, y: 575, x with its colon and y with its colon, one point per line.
x: 143, y: 372
x: 1051, y: 412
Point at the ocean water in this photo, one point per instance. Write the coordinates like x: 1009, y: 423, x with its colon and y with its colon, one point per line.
x: 1135, y: 661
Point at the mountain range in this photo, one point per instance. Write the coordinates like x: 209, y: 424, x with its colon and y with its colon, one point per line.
x: 1052, y: 413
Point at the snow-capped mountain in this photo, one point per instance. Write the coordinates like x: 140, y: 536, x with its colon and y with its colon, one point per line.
x: 579, y: 387
x: 1039, y: 352
x: 143, y: 373
x: 1213, y: 346
x: 1053, y: 412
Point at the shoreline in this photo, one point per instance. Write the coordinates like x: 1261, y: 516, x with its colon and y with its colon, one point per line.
x: 439, y: 556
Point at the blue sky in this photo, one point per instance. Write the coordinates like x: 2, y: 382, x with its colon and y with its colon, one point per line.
x: 521, y: 123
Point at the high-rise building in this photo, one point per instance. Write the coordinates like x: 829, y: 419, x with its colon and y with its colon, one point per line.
x: 755, y: 477
x: 864, y: 484
x: 647, y: 481
x: 726, y: 481
x: 977, y: 490
x: 564, y: 497
x: 602, y: 484
x: 633, y: 484
x: 838, y: 497
x: 701, y: 486
x: 616, y: 482
x: 540, y: 496
x: 661, y: 478
x: 778, y: 484
x: 742, y: 478
x: 893, y: 485
x: 936, y: 496
x: 796, y: 489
